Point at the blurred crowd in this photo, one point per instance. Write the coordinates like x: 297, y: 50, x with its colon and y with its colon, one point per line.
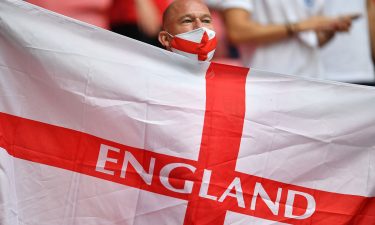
x: 332, y: 40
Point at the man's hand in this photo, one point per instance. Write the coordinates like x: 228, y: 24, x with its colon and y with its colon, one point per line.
x: 324, y: 37
x: 327, y: 27
x: 242, y: 29
x: 323, y: 23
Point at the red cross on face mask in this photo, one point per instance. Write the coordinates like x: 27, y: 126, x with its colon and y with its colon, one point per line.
x: 198, y: 44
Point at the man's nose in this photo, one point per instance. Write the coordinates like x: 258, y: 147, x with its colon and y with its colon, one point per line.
x: 197, y: 23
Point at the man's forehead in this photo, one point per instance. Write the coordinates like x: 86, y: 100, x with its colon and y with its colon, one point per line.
x: 195, y: 15
x: 193, y: 8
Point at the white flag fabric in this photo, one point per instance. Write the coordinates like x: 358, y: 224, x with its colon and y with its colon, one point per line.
x: 96, y: 128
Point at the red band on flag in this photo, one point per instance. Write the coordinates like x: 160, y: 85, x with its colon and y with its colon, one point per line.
x: 225, y: 112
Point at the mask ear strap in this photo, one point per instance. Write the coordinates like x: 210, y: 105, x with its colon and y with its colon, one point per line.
x: 172, y: 36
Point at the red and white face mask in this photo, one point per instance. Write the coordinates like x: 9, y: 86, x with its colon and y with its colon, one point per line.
x: 198, y: 44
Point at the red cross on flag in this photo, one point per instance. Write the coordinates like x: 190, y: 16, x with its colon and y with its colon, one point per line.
x: 96, y: 128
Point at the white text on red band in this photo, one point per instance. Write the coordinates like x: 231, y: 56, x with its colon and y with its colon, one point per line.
x: 233, y: 190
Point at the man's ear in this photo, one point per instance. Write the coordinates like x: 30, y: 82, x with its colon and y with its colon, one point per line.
x: 165, y: 39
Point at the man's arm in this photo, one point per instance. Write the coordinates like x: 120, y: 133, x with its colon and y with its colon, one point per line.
x: 149, y: 18
x: 241, y: 29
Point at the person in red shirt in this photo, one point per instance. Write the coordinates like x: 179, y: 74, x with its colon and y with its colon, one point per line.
x: 94, y: 12
x: 138, y: 19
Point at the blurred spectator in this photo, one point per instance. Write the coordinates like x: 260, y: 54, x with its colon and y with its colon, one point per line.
x: 90, y: 11
x: 281, y: 36
x: 138, y: 19
x: 371, y: 20
x: 348, y: 57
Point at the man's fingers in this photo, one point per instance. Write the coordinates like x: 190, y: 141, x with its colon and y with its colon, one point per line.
x: 355, y: 16
x: 345, y: 24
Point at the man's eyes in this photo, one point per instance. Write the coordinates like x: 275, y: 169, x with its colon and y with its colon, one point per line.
x: 187, y: 21
x: 190, y: 20
x: 206, y: 21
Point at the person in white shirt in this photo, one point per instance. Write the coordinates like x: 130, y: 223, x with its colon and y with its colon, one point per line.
x: 347, y: 58
x: 281, y: 36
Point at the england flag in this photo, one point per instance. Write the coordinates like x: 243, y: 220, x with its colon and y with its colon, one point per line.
x: 99, y: 129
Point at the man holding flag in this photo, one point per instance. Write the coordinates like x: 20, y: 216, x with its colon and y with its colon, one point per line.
x: 101, y: 129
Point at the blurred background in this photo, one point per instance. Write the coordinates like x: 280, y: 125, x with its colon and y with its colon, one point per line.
x: 348, y: 57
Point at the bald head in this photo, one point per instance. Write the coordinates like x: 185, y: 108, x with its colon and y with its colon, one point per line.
x: 182, y: 16
x: 192, y: 9
x: 167, y: 12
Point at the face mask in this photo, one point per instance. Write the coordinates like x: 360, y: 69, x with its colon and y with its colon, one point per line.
x: 198, y: 44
